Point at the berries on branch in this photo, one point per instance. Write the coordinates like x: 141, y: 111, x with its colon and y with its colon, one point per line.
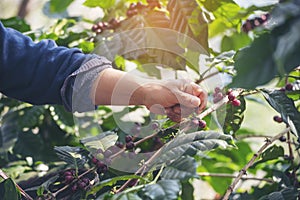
x: 251, y: 24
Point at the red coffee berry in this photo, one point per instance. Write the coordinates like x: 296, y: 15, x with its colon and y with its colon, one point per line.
x: 128, y: 138
x: 69, y: 179
x: 202, y: 124
x: 94, y: 160
x: 277, y: 119
x: 282, y: 139
x: 231, y: 96
x: 218, y: 90
x: 86, y: 181
x: 68, y: 173
x: 81, y: 184
x: 100, y: 164
x: 130, y: 145
x: 74, y: 187
x: 218, y: 97
x: 119, y: 144
x: 289, y: 87
x: 236, y: 102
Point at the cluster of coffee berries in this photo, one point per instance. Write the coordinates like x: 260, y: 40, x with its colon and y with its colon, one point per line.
x: 101, y: 166
x: 199, y: 123
x: 81, y: 184
x: 287, y: 87
x: 69, y: 176
x: 217, y: 95
x: 102, y: 26
x: 232, y: 98
x: 250, y: 24
x: 278, y: 119
x: 138, y: 7
x: 77, y: 183
x: 129, y: 142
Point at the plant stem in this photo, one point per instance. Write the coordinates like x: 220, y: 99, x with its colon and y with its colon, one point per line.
x: 234, y: 176
x: 4, y: 176
x: 250, y: 163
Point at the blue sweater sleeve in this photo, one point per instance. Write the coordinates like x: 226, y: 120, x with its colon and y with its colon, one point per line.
x: 35, y: 72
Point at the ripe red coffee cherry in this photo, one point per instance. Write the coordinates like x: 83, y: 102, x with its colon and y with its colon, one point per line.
x: 231, y: 96
x: 236, y: 102
x: 282, y: 139
x: 69, y: 179
x: 68, y: 173
x: 289, y: 87
x: 202, y: 124
x: 128, y: 138
x: 130, y: 145
x: 81, y: 185
x: 119, y: 144
x: 74, y: 187
x: 100, y: 164
x: 277, y: 119
x: 94, y: 160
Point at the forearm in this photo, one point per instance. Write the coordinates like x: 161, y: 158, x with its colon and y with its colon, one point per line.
x: 114, y: 87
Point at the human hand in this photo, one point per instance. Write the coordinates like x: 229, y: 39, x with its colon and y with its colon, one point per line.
x: 175, y: 98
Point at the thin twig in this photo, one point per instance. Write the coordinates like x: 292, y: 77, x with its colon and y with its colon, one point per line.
x: 234, y: 176
x: 67, y: 185
x: 4, y: 176
x: 250, y: 163
x: 241, y: 137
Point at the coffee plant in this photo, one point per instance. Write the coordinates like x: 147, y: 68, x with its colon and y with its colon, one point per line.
x: 49, y: 153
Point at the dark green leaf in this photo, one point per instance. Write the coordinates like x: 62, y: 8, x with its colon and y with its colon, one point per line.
x: 187, y: 191
x: 289, y: 193
x: 202, y: 141
x: 182, y: 169
x: 271, y: 153
x: 286, y: 107
x: 8, y: 190
x: 254, y: 64
x: 16, y: 23
x: 163, y: 190
x: 57, y: 6
x: 71, y: 155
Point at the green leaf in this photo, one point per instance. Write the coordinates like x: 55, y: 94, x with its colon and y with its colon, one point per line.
x: 234, y: 116
x: 289, y: 193
x: 8, y: 190
x: 125, y: 196
x: 182, y: 169
x: 187, y: 191
x: 57, y: 6
x: 188, y: 18
x: 255, y: 63
x: 71, y: 155
x: 286, y: 107
x: 16, y: 23
x: 201, y: 141
x: 271, y: 153
x: 287, y: 48
x: 163, y: 190
x: 100, y: 3
x: 102, y: 141
x: 111, y: 182
x: 235, y: 42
